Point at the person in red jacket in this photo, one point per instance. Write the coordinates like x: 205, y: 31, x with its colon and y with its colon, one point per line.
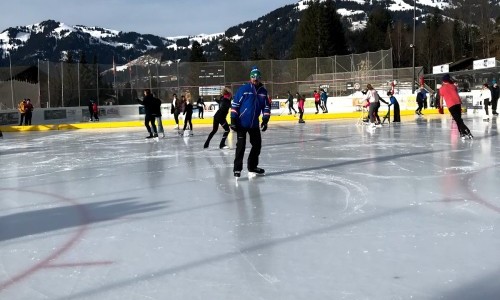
x: 317, y: 99
x: 300, y: 103
x: 29, y: 112
x: 449, y: 94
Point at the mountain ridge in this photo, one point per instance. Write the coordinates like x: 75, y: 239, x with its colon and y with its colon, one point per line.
x: 57, y: 41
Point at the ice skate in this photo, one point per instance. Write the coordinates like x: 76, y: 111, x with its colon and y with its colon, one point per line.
x: 237, y: 174
x: 225, y: 147
x: 256, y: 172
x: 150, y: 136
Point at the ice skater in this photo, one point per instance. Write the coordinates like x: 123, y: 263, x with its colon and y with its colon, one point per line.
x: 290, y: 104
x: 421, y: 98
x: 158, y: 118
x: 249, y: 102
x: 152, y: 109
x: 374, y: 99
x: 200, y: 104
x: 220, y: 119
x: 188, y: 113
x: 317, y: 100
x: 449, y: 94
x: 395, y: 104
x: 486, y: 99
x: 324, y: 98
x: 300, y: 104
x: 29, y: 112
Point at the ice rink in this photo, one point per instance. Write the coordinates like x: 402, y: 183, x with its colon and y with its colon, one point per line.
x: 408, y: 211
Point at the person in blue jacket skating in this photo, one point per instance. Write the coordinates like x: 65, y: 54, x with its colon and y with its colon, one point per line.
x: 249, y: 102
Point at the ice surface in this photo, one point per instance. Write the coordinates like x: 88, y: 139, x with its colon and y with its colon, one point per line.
x: 407, y: 211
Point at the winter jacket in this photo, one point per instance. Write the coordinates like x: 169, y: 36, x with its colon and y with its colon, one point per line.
x: 485, y: 94
x: 324, y: 96
x: 152, y: 105
x: 316, y: 97
x: 250, y: 101
x: 224, y: 106
x: 449, y: 94
x: 22, y: 107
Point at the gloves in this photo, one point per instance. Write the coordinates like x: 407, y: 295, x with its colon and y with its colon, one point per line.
x: 234, y: 125
x: 263, y: 126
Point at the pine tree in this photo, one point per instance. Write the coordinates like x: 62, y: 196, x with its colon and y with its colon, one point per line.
x: 332, y: 33
x: 197, y: 53
x: 307, y: 38
x: 230, y: 50
x: 376, y: 29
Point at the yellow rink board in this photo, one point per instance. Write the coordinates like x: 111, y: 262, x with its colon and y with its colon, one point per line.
x: 171, y: 122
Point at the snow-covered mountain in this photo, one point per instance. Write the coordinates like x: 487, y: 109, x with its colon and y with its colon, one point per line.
x: 56, y: 41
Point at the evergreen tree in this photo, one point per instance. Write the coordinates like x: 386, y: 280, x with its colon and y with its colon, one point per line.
x: 307, y: 38
x: 255, y: 55
x: 332, y: 33
x: 230, y: 50
x: 197, y: 53
x: 376, y: 29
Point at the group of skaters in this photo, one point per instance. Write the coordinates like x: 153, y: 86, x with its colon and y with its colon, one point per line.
x: 371, y: 102
x: 320, y: 102
x: 25, y: 108
x: 248, y: 104
x: 251, y: 101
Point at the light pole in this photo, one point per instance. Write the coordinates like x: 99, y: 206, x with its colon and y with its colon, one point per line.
x: 412, y: 46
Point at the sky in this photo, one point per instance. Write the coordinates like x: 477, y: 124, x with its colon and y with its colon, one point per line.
x: 158, y: 17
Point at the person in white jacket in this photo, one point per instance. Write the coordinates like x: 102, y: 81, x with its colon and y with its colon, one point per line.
x: 374, y: 99
x: 486, y: 100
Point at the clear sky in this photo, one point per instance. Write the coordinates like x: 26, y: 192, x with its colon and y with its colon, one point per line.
x: 164, y: 18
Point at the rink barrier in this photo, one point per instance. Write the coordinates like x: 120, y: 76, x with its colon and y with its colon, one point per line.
x: 207, y: 121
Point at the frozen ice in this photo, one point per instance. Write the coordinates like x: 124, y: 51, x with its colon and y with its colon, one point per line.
x: 406, y: 211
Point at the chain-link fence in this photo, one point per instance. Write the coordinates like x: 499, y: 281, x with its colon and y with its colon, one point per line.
x: 73, y: 84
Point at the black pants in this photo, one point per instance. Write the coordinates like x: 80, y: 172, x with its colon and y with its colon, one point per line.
x: 21, y: 120
x: 27, y: 118
x: 397, y: 116
x: 420, y: 106
x: 255, y: 141
x: 187, y: 120
x: 176, y: 116
x: 290, y: 108
x: 494, y: 103
x: 486, y: 104
x: 456, y: 113
x: 317, y: 105
x: 218, y: 120
x: 200, y: 112
x: 150, y: 119
x: 301, y: 113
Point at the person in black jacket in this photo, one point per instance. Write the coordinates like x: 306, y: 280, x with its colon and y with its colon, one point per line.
x: 188, y: 113
x: 220, y: 118
x: 495, y: 93
x: 152, y: 107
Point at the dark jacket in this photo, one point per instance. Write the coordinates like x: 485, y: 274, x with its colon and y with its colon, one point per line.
x: 495, y: 92
x: 250, y: 101
x: 188, y: 110
x: 152, y: 105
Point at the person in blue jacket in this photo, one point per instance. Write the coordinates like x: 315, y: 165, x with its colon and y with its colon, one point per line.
x: 249, y: 102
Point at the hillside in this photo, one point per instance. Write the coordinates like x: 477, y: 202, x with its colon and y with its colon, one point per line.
x: 270, y: 36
